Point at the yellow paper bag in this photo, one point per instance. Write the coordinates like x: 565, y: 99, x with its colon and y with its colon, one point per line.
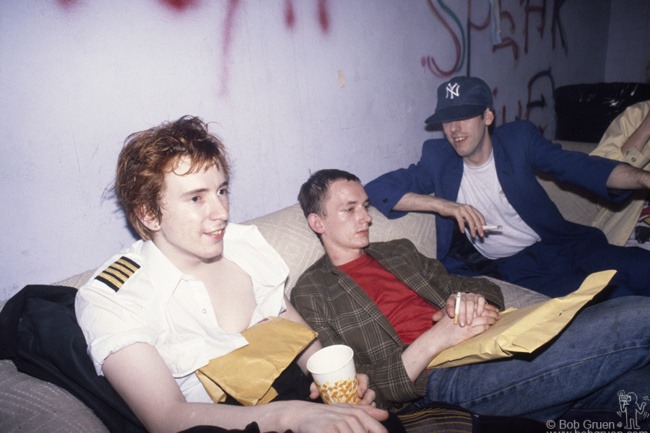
x: 523, y: 330
x: 247, y: 374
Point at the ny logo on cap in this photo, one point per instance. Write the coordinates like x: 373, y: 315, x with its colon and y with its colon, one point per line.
x: 452, y: 90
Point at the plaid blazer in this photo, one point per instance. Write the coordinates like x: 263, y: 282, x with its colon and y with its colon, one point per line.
x: 342, y: 313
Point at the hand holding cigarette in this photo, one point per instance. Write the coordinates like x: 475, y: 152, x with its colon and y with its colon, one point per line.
x: 491, y: 228
x: 468, y: 307
x: 457, y: 308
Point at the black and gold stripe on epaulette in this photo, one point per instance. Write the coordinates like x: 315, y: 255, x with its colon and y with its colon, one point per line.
x: 116, y: 274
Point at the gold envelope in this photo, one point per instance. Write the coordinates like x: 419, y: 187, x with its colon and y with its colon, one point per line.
x: 523, y: 330
x: 247, y: 374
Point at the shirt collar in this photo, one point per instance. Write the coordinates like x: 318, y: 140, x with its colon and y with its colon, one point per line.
x: 243, y: 244
x: 163, y: 274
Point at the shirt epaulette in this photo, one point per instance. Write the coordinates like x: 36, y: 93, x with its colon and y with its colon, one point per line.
x: 118, y: 273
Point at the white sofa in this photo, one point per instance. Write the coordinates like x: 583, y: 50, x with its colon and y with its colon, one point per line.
x: 31, y: 405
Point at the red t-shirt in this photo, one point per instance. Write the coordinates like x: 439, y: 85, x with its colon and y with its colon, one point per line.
x: 409, y: 314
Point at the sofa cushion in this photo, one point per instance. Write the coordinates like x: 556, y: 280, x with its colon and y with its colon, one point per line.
x: 39, y: 332
x: 32, y: 405
x: 288, y: 232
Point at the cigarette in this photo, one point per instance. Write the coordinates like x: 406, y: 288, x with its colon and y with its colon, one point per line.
x: 457, y: 308
x: 491, y: 228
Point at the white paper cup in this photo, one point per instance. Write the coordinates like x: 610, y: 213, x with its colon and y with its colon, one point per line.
x: 332, y: 369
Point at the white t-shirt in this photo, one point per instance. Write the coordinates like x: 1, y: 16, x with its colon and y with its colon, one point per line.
x: 480, y: 187
x: 161, y: 306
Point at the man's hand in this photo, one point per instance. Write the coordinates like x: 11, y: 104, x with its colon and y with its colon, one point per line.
x: 334, y: 418
x: 469, y: 306
x: 449, y: 334
x: 475, y: 317
x: 366, y: 395
x: 464, y: 214
x: 362, y: 417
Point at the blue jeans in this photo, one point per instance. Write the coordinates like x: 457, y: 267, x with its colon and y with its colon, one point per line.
x: 604, y: 350
x: 556, y: 270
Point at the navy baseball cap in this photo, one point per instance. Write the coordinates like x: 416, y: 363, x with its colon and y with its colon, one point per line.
x: 461, y: 98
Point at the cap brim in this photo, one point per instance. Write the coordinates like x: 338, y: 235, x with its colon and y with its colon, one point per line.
x: 455, y: 113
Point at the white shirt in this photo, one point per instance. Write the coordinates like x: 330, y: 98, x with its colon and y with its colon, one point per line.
x: 161, y: 306
x: 481, y: 188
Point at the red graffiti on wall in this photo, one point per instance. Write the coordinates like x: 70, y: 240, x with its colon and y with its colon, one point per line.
x: 556, y: 23
x: 179, y: 5
x: 429, y: 61
x: 557, y: 27
x: 508, y: 35
x: 67, y: 4
x: 289, y: 14
x: 323, y: 16
x: 289, y: 20
x: 226, y: 44
x: 529, y: 10
x: 532, y: 103
x: 542, y: 82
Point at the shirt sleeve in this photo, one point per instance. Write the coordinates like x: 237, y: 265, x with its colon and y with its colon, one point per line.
x: 386, y: 191
x: 108, y: 324
x: 574, y: 167
x: 619, y: 131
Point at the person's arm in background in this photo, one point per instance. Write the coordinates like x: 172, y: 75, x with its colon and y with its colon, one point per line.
x: 630, y: 131
x: 639, y: 140
x: 385, y: 191
x: 464, y: 214
x: 627, y: 138
x: 409, y: 190
x: 624, y: 176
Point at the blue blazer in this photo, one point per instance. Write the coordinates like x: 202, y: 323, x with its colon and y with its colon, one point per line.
x: 520, y: 152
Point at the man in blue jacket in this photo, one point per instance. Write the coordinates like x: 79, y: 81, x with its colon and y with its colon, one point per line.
x: 492, y: 215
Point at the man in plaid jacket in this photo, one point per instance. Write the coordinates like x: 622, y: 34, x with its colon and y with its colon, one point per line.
x: 397, y: 309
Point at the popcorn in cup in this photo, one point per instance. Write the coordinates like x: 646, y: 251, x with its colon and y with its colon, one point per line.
x: 332, y: 369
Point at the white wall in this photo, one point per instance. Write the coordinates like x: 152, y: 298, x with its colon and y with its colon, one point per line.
x: 76, y: 80
x: 628, y: 48
x: 344, y: 85
x: 541, y: 50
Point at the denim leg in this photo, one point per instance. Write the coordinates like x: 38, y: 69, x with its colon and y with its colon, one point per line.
x: 556, y: 270
x: 603, y: 350
x: 547, y: 269
x: 632, y: 264
x: 628, y: 402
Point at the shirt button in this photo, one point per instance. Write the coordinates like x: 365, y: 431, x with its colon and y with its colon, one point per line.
x: 204, y: 311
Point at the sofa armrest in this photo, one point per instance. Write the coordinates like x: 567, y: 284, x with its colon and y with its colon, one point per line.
x: 288, y: 232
